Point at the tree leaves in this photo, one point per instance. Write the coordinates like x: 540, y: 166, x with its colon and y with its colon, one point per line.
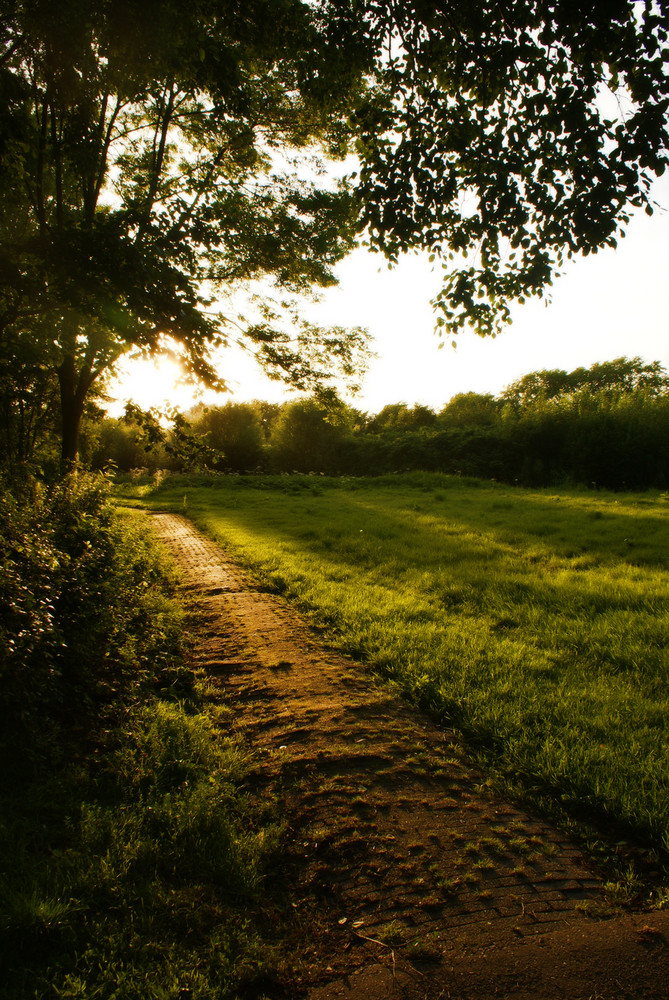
x: 145, y: 156
x: 491, y: 138
x: 142, y: 153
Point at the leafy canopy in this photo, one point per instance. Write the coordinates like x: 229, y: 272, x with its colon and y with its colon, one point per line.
x: 152, y: 159
x: 508, y: 136
x: 146, y: 154
x: 622, y: 376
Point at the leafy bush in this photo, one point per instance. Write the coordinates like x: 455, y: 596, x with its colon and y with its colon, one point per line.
x: 132, y: 859
x: 76, y: 590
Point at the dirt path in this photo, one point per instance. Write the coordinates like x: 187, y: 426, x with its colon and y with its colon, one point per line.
x: 424, y: 886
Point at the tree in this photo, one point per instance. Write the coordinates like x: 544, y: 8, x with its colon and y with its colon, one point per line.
x: 136, y: 440
x: 470, y: 409
x: 620, y: 376
x: 144, y: 158
x: 234, y: 432
x: 399, y: 416
x: 307, y: 435
x: 507, y: 136
x: 146, y: 162
x: 624, y: 375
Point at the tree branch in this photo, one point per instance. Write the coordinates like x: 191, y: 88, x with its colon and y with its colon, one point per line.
x: 163, y: 122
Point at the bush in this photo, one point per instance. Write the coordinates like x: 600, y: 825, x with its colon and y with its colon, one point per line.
x: 76, y: 591
x: 133, y: 860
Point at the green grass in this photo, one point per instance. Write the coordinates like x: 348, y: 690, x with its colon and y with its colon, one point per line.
x: 536, y: 622
x: 133, y: 859
x: 140, y: 876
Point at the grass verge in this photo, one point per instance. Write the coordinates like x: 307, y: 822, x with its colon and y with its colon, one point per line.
x: 133, y: 858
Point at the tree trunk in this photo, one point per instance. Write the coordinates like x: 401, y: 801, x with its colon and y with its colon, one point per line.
x: 71, y: 408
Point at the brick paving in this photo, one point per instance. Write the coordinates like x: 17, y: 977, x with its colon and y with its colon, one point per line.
x: 391, y: 830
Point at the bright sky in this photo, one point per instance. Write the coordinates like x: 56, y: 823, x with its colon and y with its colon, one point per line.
x: 605, y: 306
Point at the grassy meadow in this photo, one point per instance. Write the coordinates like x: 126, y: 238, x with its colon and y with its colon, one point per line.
x: 535, y: 622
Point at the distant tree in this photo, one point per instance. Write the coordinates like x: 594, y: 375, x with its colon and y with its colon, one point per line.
x: 387, y: 417
x: 470, y: 409
x: 307, y: 435
x: 118, y: 443
x: 622, y: 375
x: 545, y: 384
x: 135, y: 440
x: 400, y: 416
x: 269, y: 414
x: 234, y: 432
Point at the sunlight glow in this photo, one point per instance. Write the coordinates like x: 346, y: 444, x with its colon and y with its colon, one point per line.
x: 608, y: 305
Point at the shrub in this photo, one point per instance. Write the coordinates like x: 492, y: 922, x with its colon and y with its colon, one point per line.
x: 76, y: 591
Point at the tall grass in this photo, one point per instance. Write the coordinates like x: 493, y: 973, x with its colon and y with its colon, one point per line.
x: 534, y: 622
x: 139, y: 877
x: 132, y: 860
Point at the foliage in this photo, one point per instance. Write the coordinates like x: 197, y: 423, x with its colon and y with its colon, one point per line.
x: 233, y: 432
x: 29, y: 635
x: 509, y: 137
x: 132, y: 861
x: 119, y: 443
x: 146, y: 159
x: 399, y: 416
x: 622, y: 375
x: 156, y: 861
x: 533, y: 622
x: 307, y: 435
x: 470, y: 409
x: 606, y: 426
x: 74, y: 597
x: 28, y: 404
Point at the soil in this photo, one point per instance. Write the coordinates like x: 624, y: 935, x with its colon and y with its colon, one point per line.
x: 416, y: 881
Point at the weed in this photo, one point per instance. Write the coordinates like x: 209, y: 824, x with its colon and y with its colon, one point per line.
x: 393, y: 934
x: 626, y: 889
x: 483, y: 864
x: 660, y: 899
x: 432, y: 902
x: 520, y: 845
x: 448, y: 885
x: 597, y: 911
x: 492, y: 845
x: 427, y: 949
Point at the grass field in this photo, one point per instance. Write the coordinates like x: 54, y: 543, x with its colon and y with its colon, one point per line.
x: 535, y: 622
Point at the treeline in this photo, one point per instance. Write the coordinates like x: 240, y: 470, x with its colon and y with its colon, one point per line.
x: 605, y: 426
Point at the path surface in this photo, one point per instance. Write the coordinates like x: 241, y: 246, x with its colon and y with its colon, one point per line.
x: 426, y: 886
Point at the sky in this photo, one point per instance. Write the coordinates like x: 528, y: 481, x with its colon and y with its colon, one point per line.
x: 608, y: 305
